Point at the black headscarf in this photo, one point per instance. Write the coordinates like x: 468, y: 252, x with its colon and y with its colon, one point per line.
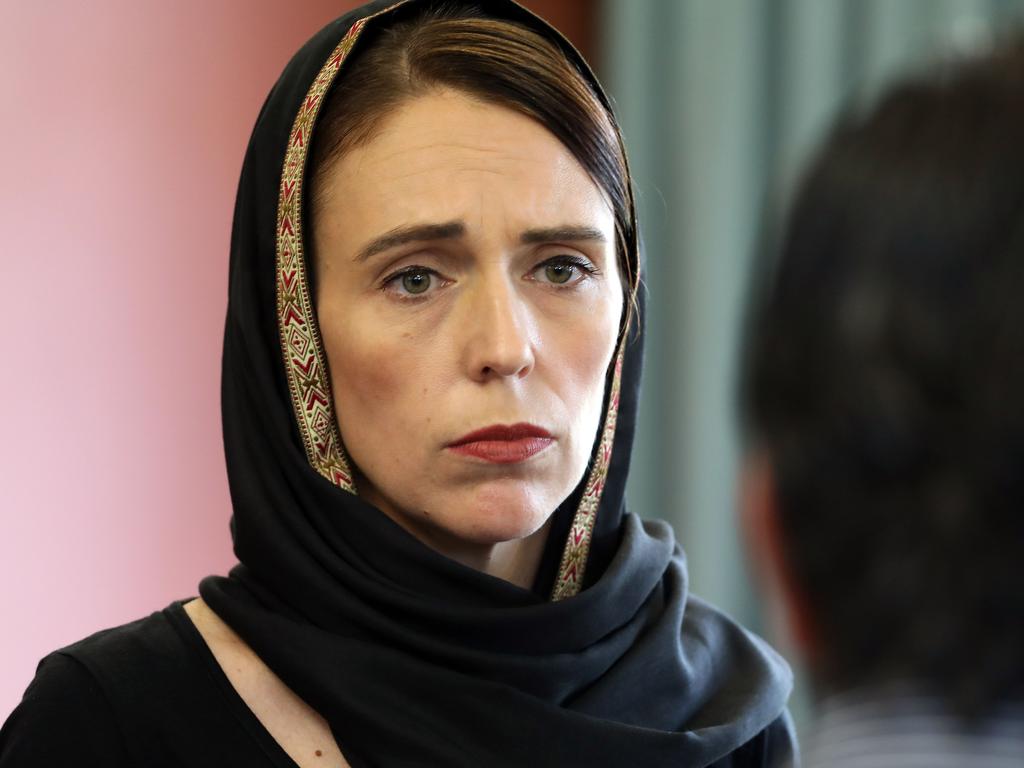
x: 413, y: 658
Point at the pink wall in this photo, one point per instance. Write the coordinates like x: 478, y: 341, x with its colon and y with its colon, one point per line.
x: 122, y: 132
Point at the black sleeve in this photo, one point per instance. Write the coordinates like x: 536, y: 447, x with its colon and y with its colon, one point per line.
x: 63, y: 720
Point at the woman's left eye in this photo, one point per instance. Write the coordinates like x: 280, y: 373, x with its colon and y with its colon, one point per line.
x: 563, y: 270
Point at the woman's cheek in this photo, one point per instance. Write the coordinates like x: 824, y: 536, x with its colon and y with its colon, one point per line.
x: 369, y: 372
x: 587, y: 345
x: 386, y: 383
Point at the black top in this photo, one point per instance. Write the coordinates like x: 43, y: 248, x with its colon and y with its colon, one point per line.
x: 146, y: 693
x: 151, y: 693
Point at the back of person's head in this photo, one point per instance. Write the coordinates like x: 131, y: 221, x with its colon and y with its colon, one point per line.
x: 884, y: 389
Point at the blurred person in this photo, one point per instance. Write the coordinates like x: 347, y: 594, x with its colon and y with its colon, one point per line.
x: 884, y: 401
x: 430, y: 380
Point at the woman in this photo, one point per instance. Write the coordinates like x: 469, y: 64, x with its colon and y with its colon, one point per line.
x: 430, y: 376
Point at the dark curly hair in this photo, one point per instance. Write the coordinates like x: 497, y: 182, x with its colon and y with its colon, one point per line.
x: 885, y: 383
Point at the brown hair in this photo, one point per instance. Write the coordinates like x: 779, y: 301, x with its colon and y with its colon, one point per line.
x: 498, y: 61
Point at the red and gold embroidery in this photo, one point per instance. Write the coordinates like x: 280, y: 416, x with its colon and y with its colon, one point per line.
x: 305, y: 359
x: 300, y: 335
x: 577, y: 547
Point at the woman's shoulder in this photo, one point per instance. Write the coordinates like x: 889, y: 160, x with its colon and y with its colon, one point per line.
x: 62, y: 715
x: 151, y: 642
x: 70, y: 708
x: 126, y: 664
x: 147, y: 692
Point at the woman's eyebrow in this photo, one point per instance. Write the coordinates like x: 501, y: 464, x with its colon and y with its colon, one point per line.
x: 562, y: 233
x: 410, y: 234
x: 455, y: 229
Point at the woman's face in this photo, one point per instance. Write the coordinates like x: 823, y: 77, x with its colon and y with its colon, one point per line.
x: 467, y: 280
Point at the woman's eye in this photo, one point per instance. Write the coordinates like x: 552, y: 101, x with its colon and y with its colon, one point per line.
x: 559, y: 273
x: 415, y: 281
x: 563, y: 271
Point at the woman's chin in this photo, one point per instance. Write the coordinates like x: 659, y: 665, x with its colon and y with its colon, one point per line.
x: 498, y: 513
x: 502, y: 511
x: 482, y: 513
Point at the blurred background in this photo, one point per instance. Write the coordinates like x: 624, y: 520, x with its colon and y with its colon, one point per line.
x: 122, y: 133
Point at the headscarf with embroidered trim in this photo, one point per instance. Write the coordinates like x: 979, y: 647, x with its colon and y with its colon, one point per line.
x: 413, y: 658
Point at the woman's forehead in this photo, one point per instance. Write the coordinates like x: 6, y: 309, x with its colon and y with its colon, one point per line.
x: 446, y: 157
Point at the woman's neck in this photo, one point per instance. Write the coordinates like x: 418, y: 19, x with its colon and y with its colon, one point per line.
x: 514, y: 561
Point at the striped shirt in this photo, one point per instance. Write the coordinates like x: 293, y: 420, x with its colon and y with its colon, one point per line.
x: 904, y: 730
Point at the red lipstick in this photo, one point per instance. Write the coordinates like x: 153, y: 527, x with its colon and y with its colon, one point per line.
x: 501, y: 444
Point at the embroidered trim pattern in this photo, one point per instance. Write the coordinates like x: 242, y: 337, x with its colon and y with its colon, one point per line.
x: 577, y: 547
x: 296, y: 318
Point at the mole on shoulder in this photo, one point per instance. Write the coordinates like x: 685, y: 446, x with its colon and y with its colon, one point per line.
x: 318, y: 753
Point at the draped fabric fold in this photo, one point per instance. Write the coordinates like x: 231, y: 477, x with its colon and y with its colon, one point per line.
x: 413, y: 658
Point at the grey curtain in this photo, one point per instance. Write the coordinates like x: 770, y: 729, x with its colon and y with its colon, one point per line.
x: 721, y: 101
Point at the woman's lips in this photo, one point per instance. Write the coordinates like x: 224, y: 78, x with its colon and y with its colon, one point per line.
x: 501, y: 444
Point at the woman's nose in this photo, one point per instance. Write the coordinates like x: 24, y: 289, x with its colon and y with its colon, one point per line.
x: 499, y: 333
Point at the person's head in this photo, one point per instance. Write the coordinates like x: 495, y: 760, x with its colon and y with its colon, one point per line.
x: 884, y: 392
x: 470, y: 209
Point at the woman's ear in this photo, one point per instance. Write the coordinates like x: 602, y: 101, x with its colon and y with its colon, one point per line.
x: 761, y: 529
